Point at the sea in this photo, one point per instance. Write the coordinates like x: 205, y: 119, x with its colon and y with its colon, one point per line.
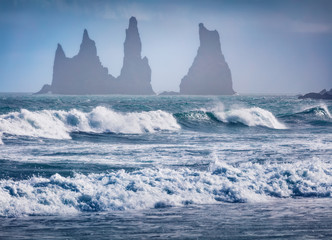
x: 165, y: 167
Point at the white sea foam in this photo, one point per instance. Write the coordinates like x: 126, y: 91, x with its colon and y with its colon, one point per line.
x: 153, y: 188
x: 253, y: 116
x: 58, y: 124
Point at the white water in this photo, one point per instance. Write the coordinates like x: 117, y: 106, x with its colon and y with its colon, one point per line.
x: 58, y: 124
x: 253, y: 116
x: 160, y: 187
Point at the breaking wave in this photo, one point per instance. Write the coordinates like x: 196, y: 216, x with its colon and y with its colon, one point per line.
x: 157, y: 188
x: 254, y: 116
x: 59, y: 124
x: 251, y: 117
x: 313, y: 115
x: 319, y: 111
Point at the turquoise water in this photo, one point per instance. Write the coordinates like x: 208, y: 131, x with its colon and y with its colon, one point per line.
x: 235, y: 167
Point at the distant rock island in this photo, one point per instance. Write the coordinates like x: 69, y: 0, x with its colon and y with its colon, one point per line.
x: 135, y: 77
x: 84, y: 73
x: 321, y: 95
x: 209, y: 73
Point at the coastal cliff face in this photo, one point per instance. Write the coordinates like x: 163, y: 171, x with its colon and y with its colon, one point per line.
x: 84, y: 73
x: 135, y: 77
x: 209, y: 73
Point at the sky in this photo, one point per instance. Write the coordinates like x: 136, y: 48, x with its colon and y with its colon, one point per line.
x: 271, y: 46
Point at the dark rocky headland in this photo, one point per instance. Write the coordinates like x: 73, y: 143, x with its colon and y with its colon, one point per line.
x: 324, y: 94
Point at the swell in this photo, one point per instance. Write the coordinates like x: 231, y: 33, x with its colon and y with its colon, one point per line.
x: 120, y: 190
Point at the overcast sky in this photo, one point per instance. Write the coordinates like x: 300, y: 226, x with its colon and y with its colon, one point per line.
x: 270, y: 46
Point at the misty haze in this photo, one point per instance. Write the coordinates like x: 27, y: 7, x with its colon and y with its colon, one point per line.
x: 165, y: 119
x: 84, y: 74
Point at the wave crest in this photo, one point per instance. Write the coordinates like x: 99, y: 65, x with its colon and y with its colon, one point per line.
x: 59, y: 124
x: 254, y: 116
x: 321, y: 111
x: 251, y: 117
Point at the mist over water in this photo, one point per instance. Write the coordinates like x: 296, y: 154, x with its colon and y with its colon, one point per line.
x: 170, y: 166
x: 126, y: 157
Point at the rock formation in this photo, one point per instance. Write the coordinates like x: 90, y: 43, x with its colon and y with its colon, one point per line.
x: 321, y: 95
x: 81, y: 74
x: 84, y: 73
x: 135, y: 77
x: 209, y: 73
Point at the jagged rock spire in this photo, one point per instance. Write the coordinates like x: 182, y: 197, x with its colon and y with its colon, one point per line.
x: 81, y: 74
x: 84, y: 73
x: 132, y: 44
x: 88, y: 46
x: 209, y: 73
x: 85, y: 35
x: 209, y: 41
x: 135, y: 77
x: 59, y: 53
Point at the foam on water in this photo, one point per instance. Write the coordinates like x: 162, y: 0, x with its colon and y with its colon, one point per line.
x: 163, y: 187
x: 59, y: 124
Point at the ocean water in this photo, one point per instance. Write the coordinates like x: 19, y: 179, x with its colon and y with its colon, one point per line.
x: 176, y: 167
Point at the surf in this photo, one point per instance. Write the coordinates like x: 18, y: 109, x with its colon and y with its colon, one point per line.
x: 58, y: 124
x: 250, y: 117
x: 146, y: 188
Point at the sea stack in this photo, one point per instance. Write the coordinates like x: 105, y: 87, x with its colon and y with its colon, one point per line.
x: 84, y: 74
x: 135, y: 77
x: 209, y: 73
x: 81, y: 74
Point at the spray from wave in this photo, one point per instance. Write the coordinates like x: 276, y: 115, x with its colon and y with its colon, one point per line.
x: 59, y: 124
